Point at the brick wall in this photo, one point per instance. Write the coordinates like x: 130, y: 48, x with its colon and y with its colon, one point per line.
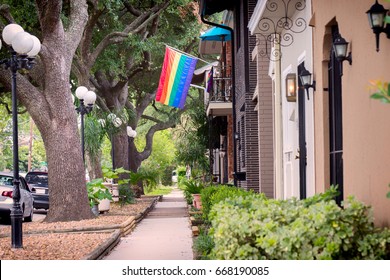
x: 246, y: 116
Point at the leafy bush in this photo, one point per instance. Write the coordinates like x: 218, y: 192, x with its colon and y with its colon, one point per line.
x: 203, y: 245
x: 254, y: 227
x: 97, y: 192
x: 126, y: 194
x: 214, y: 194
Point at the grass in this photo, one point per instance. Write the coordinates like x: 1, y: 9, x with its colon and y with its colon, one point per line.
x: 162, y: 190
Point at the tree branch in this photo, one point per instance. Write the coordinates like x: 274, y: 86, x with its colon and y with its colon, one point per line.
x: 86, y: 40
x: 5, y: 13
x: 49, y: 14
x: 150, y: 118
x: 133, y: 28
x: 149, y: 137
x: 131, y: 9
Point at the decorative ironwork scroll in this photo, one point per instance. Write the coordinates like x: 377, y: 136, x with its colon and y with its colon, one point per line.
x: 277, y: 27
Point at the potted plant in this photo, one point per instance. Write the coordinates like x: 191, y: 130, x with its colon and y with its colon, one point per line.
x: 99, y: 196
x: 110, y: 177
x: 192, y: 190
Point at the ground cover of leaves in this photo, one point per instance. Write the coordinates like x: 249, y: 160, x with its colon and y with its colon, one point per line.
x: 66, y: 246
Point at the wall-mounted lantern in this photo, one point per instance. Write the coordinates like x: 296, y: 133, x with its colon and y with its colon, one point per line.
x: 306, y: 80
x: 376, y: 18
x: 291, y: 89
x: 340, y: 47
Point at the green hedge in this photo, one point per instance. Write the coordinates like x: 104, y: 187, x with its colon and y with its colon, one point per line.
x: 214, y: 194
x: 254, y: 227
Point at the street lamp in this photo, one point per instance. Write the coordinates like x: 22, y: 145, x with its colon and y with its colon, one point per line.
x: 86, y: 97
x: 23, y: 47
x: 117, y: 122
x: 131, y: 132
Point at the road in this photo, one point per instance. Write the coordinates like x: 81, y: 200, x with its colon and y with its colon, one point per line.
x: 38, y: 216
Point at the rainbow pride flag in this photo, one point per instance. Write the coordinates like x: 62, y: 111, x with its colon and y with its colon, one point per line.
x: 175, y: 79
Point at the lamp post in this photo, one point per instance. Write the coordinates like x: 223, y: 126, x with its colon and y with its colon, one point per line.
x: 23, y: 47
x: 87, y: 99
x: 131, y: 133
x: 117, y: 122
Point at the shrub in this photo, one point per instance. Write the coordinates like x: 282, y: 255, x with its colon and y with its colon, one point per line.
x: 203, y: 245
x: 254, y: 227
x: 214, y: 194
x: 126, y: 194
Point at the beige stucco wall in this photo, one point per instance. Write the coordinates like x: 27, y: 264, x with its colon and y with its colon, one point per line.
x: 366, y: 122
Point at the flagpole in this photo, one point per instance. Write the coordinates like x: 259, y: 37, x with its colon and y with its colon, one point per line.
x: 207, y: 62
x: 196, y: 86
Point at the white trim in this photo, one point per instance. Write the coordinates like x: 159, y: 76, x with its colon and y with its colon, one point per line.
x: 256, y: 16
x: 254, y: 53
x: 196, y: 86
x: 301, y: 57
x: 271, y: 69
x: 256, y: 93
x: 287, y: 71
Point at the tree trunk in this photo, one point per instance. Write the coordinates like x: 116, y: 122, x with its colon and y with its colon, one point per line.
x: 93, y: 166
x: 134, y: 161
x: 120, y: 143
x: 67, y: 189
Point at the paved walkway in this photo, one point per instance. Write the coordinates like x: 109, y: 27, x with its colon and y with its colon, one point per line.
x: 165, y: 234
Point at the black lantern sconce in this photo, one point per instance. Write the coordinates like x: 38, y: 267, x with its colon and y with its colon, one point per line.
x: 340, y: 49
x: 306, y: 81
x: 376, y: 18
x: 291, y: 89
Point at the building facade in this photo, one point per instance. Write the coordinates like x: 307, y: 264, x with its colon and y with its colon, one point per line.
x: 351, y: 129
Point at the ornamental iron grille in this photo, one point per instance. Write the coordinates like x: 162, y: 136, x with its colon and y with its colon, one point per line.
x: 277, y: 26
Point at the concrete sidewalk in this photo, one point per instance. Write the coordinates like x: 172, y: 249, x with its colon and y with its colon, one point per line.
x: 165, y: 234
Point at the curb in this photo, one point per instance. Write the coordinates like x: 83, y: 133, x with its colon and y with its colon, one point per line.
x: 104, y: 248
x: 124, y: 229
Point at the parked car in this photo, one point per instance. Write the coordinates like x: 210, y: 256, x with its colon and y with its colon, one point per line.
x: 6, y: 201
x: 174, y: 177
x: 39, y: 184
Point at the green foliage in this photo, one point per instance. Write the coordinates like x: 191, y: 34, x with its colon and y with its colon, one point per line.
x: 97, y: 191
x: 212, y: 195
x: 383, y: 91
x: 109, y: 173
x: 93, y: 135
x: 38, y: 154
x: 254, y: 227
x: 193, y: 137
x: 126, y: 194
x: 128, y: 178
x: 329, y: 195
x: 203, y: 245
x: 161, y: 190
x: 192, y: 187
x: 161, y: 161
x: 388, y: 194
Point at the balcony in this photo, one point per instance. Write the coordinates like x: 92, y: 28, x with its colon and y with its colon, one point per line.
x: 219, y: 101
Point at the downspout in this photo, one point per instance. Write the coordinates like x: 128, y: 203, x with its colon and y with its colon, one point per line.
x: 233, y: 91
